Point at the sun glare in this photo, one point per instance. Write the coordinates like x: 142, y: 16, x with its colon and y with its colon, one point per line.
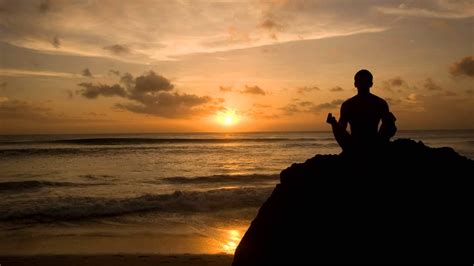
x: 232, y: 241
x: 227, y: 118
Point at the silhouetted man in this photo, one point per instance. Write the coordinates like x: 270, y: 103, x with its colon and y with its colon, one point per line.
x: 363, y: 112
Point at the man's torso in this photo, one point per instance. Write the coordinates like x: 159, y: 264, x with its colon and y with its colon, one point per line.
x: 364, y: 112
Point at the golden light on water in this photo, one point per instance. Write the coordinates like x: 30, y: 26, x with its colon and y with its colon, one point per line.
x: 227, y: 118
x: 233, y: 239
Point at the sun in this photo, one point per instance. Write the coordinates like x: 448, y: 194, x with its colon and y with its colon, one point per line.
x: 227, y: 118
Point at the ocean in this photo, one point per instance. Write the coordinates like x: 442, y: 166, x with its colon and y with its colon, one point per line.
x: 151, y: 193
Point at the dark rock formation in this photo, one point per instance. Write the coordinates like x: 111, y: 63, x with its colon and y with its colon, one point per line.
x: 409, y: 203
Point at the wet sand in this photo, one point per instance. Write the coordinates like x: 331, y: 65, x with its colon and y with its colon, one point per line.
x: 117, y: 260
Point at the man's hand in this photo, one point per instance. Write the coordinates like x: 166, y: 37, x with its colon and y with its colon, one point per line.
x: 331, y: 119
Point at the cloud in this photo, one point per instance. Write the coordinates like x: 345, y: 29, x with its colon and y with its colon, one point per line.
x: 448, y: 93
x: 15, y: 109
x: 259, y: 105
x: 152, y: 94
x: 394, y: 83
x: 253, y: 90
x: 392, y: 101
x: 171, y: 105
x: 118, y: 49
x: 44, y: 6
x: 19, y: 115
x: 33, y: 73
x: 247, y: 90
x: 87, y: 73
x: 56, y: 42
x: 70, y: 94
x: 329, y: 105
x: 431, y: 85
x: 92, y: 91
x: 151, y: 82
x: 431, y: 9
x: 269, y: 24
x: 305, y: 89
x: 310, y: 107
x: 260, y: 111
x: 336, y: 89
x: 114, y: 72
x: 413, y: 97
x: 224, y: 25
x: 464, y: 67
x: 127, y: 80
x: 291, y: 109
x: 225, y: 89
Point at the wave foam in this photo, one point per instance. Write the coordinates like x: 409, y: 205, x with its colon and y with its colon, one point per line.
x: 68, y: 208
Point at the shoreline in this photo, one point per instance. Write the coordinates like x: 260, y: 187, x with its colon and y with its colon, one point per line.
x: 117, y: 259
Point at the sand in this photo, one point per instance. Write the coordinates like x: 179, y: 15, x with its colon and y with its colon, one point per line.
x: 116, y: 260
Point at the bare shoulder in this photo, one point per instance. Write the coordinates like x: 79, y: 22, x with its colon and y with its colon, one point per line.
x: 379, y: 100
x: 349, y: 101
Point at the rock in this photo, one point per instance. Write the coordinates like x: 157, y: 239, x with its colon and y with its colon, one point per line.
x: 409, y: 203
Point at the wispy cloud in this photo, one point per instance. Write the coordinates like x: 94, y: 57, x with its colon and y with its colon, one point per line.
x: 306, y: 89
x: 253, y: 90
x: 431, y: 85
x: 80, y: 28
x: 33, y: 73
x: 336, y: 89
x: 225, y: 88
x: 310, y: 107
x: 14, y: 110
x: 118, y: 49
x: 433, y: 9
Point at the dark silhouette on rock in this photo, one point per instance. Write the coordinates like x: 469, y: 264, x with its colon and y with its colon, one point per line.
x: 407, y: 203
x: 363, y: 113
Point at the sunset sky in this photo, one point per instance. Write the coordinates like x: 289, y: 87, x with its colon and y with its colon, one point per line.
x: 182, y: 66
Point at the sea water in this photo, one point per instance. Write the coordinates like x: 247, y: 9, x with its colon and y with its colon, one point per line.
x: 151, y: 193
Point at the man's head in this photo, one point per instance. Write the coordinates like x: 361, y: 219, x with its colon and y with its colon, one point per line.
x: 363, y: 80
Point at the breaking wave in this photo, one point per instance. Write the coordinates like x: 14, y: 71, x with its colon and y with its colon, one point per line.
x: 69, y: 208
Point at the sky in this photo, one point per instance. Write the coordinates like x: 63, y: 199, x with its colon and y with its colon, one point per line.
x: 106, y: 66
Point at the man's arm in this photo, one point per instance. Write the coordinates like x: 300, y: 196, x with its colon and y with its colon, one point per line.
x: 388, y: 128
x: 339, y: 130
x: 343, y: 119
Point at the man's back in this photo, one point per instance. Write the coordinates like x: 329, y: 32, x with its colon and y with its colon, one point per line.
x: 363, y: 112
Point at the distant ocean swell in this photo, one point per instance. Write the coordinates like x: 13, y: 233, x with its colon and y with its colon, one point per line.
x: 92, y: 150
x: 22, y: 186
x: 18, y: 186
x: 69, y: 208
x: 135, y: 141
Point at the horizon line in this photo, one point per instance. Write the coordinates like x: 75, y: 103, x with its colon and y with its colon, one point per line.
x: 218, y: 132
